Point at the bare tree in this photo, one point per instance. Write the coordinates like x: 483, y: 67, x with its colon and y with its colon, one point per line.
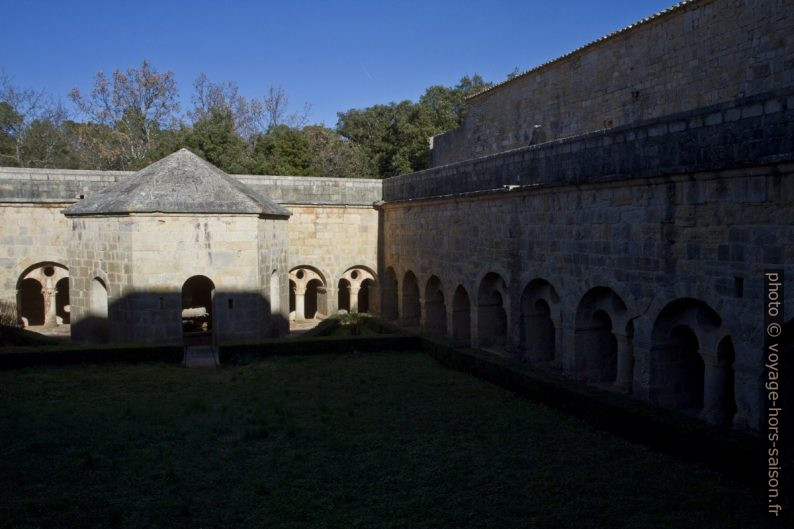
x: 225, y: 97
x: 135, y: 104
x: 276, y: 104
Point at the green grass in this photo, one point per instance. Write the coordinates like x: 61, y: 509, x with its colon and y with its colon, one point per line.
x: 354, y: 324
x: 377, y: 440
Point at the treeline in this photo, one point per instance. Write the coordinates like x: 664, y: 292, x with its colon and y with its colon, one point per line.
x: 131, y: 118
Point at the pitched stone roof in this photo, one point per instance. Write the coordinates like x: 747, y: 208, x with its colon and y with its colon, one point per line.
x: 179, y: 183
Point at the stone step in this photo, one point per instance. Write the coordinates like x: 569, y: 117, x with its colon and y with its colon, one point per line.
x: 201, y: 356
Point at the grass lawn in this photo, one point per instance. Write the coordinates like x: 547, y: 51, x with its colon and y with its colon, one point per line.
x: 376, y: 441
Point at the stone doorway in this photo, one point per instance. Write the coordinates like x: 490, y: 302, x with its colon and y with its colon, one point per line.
x: 197, y: 311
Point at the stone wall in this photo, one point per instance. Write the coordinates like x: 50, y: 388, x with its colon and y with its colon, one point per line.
x: 700, y: 53
x: 30, y: 234
x: 144, y: 261
x: 67, y: 185
x: 739, y: 133
x: 651, y: 241
x: 333, y: 227
x: 331, y: 240
x: 99, y: 258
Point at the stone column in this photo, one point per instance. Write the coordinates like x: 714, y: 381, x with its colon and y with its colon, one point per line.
x: 559, y: 343
x: 300, y: 307
x: 715, y: 405
x: 353, y: 293
x: 50, y: 313
x: 625, y: 368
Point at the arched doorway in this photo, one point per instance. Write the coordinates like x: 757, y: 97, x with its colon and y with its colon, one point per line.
x: 691, y: 362
x: 197, y: 310
x: 491, y: 312
x: 601, y: 340
x: 276, y: 317
x: 537, y: 333
x: 98, y: 310
x: 31, y: 302
x: 62, y: 308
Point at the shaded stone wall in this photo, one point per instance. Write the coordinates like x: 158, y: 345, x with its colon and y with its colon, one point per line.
x: 705, y: 236
x: 273, y: 243
x: 739, y: 133
x: 101, y: 249
x: 145, y: 260
x: 702, y: 53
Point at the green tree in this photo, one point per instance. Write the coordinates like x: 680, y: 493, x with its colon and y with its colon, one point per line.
x: 283, y: 151
x: 215, y: 138
x: 396, y: 136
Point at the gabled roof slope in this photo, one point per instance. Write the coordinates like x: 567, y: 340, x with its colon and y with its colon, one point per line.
x: 179, y: 183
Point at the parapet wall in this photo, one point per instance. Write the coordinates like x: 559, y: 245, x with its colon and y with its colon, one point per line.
x: 692, y: 55
x: 65, y: 185
x: 742, y: 132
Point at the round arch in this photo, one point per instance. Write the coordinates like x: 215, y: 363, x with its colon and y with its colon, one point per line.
x: 308, y: 287
x: 43, y: 294
x: 198, y: 294
x: 492, y: 307
x: 602, y: 346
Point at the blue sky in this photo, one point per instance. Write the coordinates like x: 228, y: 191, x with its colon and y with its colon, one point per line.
x: 335, y: 55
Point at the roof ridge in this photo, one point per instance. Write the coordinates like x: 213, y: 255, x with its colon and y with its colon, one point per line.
x: 181, y: 182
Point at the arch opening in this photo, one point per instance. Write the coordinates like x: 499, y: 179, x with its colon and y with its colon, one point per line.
x: 364, y: 295
x: 43, y: 295
x: 537, y: 333
x: 275, y: 304
x: 62, y: 307
x: 31, y: 302
x: 597, y: 340
x: 198, y: 293
x: 311, y: 301
x: 309, y: 292
x: 491, y: 311
x: 98, y: 311
x: 343, y: 295
x: 691, y: 367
